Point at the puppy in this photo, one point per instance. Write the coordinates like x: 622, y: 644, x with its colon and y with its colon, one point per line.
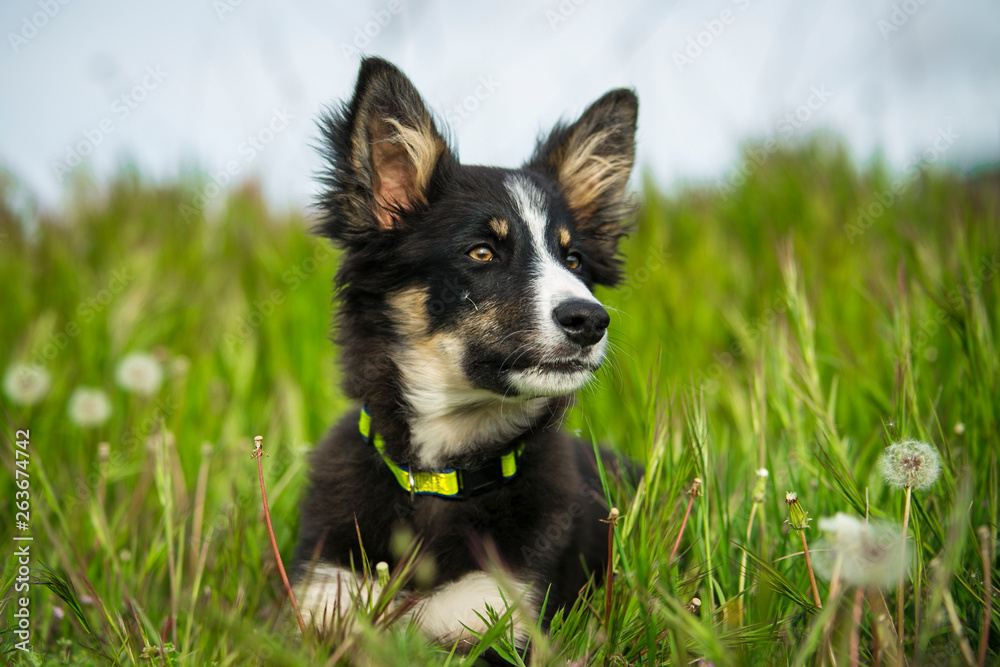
x: 466, y: 321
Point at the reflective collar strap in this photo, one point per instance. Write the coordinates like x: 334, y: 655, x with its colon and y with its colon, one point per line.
x: 445, y: 483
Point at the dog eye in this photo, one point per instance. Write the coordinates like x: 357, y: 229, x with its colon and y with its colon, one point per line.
x: 481, y: 253
x: 573, y: 261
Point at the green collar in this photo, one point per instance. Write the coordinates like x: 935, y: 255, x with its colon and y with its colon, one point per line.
x: 456, y: 483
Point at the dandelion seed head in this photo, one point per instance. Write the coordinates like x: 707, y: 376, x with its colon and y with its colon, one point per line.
x: 862, y: 554
x: 26, y: 384
x: 910, y: 465
x: 139, y: 373
x: 89, y: 407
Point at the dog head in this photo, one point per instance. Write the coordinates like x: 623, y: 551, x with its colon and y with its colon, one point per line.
x: 465, y: 287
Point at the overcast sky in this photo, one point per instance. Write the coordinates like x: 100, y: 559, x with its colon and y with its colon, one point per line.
x: 208, y: 83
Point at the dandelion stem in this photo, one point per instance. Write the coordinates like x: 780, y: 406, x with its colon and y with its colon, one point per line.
x: 258, y: 452
x: 809, y: 567
x: 902, y: 576
x: 692, y: 494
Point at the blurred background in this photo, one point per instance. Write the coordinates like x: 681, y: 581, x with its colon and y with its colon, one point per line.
x: 813, y: 273
x: 191, y: 84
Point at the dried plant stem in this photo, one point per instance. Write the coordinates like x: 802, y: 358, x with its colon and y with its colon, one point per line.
x: 612, y: 521
x: 809, y: 567
x: 693, y: 493
x: 956, y: 627
x: 883, y: 629
x: 859, y: 599
x: 258, y: 452
x: 986, y: 552
x: 902, y: 576
x: 832, y: 598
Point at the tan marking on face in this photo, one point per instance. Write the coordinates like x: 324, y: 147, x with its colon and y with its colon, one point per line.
x: 449, y: 413
x: 409, y: 312
x: 500, y: 227
x: 564, y: 237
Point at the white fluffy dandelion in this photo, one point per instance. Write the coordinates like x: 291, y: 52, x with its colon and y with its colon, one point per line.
x: 89, y: 407
x: 910, y: 465
x: 859, y: 553
x: 139, y: 373
x: 26, y: 384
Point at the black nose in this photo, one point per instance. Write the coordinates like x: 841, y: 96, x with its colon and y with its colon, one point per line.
x: 583, y: 321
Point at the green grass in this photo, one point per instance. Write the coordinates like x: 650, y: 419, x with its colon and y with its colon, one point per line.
x: 755, y: 329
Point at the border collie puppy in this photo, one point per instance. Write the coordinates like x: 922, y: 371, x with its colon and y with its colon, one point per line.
x: 466, y: 321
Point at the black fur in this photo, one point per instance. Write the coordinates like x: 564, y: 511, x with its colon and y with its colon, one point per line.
x: 545, y: 523
x: 548, y: 521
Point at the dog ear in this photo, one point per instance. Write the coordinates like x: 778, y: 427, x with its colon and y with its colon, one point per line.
x: 382, y: 149
x: 591, y: 161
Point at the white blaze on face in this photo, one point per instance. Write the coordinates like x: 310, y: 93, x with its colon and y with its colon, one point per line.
x: 552, y: 284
